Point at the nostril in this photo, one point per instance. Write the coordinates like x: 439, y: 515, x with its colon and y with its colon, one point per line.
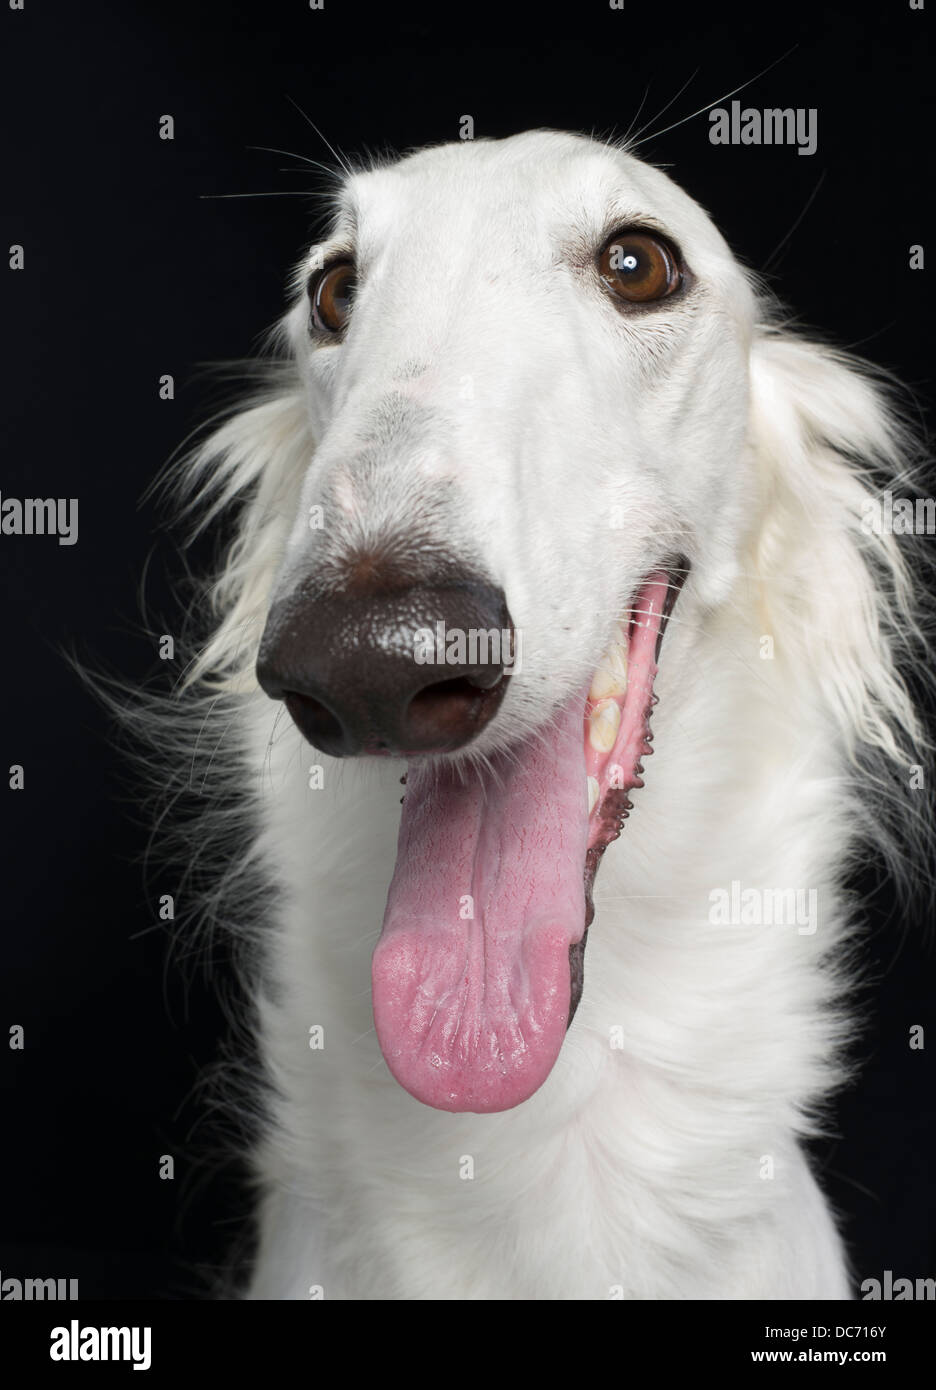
x: 316, y: 720
x: 448, y: 711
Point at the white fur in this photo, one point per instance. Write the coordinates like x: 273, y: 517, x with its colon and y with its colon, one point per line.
x: 485, y: 364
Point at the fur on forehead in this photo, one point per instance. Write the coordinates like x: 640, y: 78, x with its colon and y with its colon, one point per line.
x: 578, y: 190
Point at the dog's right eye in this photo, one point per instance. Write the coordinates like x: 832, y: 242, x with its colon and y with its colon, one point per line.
x: 331, y: 293
x: 639, y: 267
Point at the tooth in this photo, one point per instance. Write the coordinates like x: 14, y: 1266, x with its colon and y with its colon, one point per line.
x: 610, y: 678
x: 592, y: 783
x: 604, y: 722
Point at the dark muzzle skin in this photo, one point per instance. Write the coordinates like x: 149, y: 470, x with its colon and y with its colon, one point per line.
x: 345, y: 664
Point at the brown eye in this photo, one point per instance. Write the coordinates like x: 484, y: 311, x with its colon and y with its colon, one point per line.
x: 639, y: 267
x: 331, y: 296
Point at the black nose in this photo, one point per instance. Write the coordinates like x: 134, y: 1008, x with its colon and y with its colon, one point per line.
x: 401, y: 671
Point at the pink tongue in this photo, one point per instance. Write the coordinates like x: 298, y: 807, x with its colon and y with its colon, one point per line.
x: 471, y: 975
x: 472, y: 979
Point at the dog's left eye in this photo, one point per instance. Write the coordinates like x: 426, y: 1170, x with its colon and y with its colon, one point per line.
x: 331, y: 294
x: 639, y: 267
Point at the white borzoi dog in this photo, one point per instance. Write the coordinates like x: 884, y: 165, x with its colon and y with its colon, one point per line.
x: 527, y: 407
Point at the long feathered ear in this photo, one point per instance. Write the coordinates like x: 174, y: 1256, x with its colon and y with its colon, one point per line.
x: 847, y: 599
x: 248, y: 469
x: 253, y: 464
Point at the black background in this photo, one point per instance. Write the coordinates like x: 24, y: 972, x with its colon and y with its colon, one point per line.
x: 136, y: 267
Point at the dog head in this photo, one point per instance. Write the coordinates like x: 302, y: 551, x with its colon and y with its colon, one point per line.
x: 531, y: 392
x: 525, y: 363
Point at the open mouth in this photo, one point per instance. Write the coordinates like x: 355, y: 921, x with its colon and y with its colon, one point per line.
x: 479, y: 967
